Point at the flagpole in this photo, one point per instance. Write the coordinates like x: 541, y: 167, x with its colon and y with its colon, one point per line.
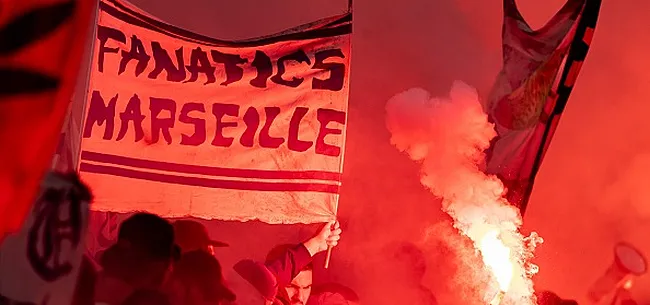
x: 328, y: 257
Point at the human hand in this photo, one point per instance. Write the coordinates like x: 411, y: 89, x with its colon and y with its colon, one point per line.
x: 328, y: 236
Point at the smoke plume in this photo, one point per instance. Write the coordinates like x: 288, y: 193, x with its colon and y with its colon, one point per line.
x: 447, y: 137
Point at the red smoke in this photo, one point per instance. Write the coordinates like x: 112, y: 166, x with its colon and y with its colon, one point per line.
x: 588, y: 195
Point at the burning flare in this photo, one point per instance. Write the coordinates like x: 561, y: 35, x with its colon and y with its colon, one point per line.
x: 496, y: 256
x: 448, y: 137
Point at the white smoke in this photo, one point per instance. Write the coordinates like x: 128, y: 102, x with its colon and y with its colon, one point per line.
x: 448, y: 137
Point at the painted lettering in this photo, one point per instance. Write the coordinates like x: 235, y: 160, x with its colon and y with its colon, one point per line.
x: 327, y: 72
x: 189, y: 125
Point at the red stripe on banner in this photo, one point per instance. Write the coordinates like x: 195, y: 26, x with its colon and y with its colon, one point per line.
x: 210, y: 183
x: 125, y: 14
x: 572, y: 76
x: 589, y: 35
x: 207, y: 170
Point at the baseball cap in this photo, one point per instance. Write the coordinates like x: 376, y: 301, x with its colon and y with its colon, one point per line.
x: 258, y: 275
x: 191, y: 235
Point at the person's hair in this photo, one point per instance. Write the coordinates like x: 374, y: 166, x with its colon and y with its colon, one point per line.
x: 202, y: 270
x: 346, y: 292
x: 131, y: 266
x: 278, y: 251
x: 146, y: 297
x: 145, y: 246
x: 149, y: 234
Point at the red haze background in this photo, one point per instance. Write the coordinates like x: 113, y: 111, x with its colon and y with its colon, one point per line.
x: 591, y: 191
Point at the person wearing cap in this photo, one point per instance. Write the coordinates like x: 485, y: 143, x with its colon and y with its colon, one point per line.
x: 192, y: 235
x: 141, y: 258
x: 198, y: 279
x: 286, y: 276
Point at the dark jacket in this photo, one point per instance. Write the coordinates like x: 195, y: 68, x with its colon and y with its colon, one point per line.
x: 277, y: 272
x: 288, y: 264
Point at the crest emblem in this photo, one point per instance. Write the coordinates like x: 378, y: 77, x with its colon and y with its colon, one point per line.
x: 57, y: 228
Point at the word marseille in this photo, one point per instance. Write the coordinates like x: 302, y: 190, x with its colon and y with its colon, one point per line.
x: 199, y: 63
x: 101, y: 113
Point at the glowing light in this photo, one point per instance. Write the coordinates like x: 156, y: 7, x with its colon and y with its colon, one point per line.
x: 498, y: 298
x: 628, y: 284
x: 496, y: 256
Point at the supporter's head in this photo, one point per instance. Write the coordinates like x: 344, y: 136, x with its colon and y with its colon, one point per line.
x: 297, y: 292
x: 143, y: 252
x: 146, y: 297
x: 333, y: 294
x: 197, y: 279
x: 192, y: 235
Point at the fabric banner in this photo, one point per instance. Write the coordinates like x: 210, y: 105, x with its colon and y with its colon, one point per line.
x: 42, y: 42
x: 66, y: 158
x: 181, y: 124
x: 40, y: 263
x: 539, y: 71
x: 64, y: 154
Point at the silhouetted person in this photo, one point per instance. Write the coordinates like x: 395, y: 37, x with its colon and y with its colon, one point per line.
x: 147, y: 297
x: 197, y: 279
x: 140, y: 259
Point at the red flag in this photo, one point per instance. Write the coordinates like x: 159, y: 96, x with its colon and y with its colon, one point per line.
x: 539, y: 70
x: 41, y: 46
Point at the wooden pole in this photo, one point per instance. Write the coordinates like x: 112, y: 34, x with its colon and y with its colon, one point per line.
x: 328, y: 257
x: 329, y: 250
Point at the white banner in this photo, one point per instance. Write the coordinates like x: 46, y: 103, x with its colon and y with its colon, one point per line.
x: 179, y: 124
